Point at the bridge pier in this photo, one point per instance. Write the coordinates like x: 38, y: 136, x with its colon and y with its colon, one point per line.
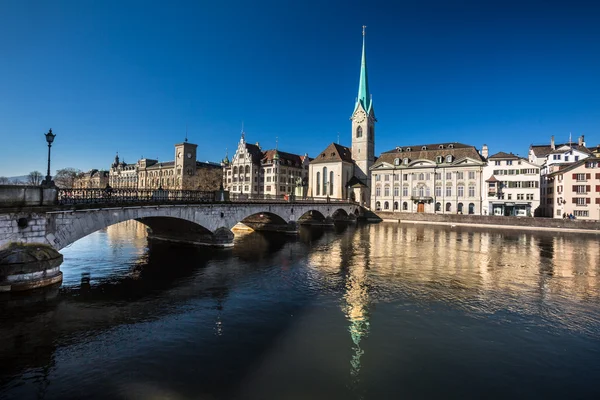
x: 25, y: 266
x: 292, y: 227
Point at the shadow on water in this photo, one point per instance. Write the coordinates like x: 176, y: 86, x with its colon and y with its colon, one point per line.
x: 167, y: 276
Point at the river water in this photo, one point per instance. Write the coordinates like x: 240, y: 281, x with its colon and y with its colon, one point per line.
x: 381, y: 311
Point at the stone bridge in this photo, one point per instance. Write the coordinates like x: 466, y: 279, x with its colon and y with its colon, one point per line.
x: 35, y: 226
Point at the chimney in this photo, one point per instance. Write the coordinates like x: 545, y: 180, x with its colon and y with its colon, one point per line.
x: 484, y: 151
x: 552, y: 143
x: 582, y: 140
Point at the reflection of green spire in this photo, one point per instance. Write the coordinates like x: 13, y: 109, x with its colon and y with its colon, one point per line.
x: 364, y: 97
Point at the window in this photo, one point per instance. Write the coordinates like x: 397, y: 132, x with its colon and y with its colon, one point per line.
x: 461, y: 191
x: 529, y: 196
x: 405, y: 161
x: 386, y: 177
x: 509, y: 196
x: 386, y: 206
x: 471, y: 208
x: 378, y: 206
x: 396, y: 190
x: 396, y: 161
x: 405, y: 177
x: 438, y: 176
x: 471, y: 174
x: 520, y: 196
x: 576, y: 158
x: 438, y: 207
x: 378, y: 191
x: 377, y: 178
x: 448, y: 176
x: 395, y: 205
x: 459, y: 207
x: 421, y: 191
x: 496, y: 162
x: 438, y: 191
x: 448, y: 207
x: 396, y: 177
x: 448, y: 191
x: 318, y: 183
x: 404, y: 206
x: 439, y: 159
x: 331, y: 183
x: 386, y: 191
x: 324, y: 181
x: 449, y: 158
x: 582, y: 213
x: 405, y: 191
x: 580, y: 201
x: 579, y: 177
x: 471, y: 191
x: 508, y: 162
x: 460, y: 175
x: 421, y: 176
x: 359, y: 132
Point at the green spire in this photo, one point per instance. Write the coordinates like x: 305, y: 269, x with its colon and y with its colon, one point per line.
x: 364, y: 97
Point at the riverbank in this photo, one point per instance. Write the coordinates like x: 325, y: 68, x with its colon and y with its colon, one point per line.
x: 491, y: 221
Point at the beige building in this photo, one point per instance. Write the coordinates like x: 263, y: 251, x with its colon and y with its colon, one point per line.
x: 575, y: 189
x: 255, y: 173
x: 512, y: 186
x: 340, y: 172
x: 184, y: 173
x: 444, y: 178
x: 93, y: 179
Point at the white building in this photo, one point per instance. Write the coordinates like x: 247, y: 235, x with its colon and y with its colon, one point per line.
x: 512, y: 186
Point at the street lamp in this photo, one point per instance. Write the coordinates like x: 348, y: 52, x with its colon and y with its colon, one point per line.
x: 49, y: 138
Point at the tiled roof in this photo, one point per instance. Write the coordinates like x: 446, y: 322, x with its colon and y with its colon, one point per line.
x: 294, y: 159
x: 544, y: 150
x: 430, y: 152
x: 166, y: 164
x: 574, y: 165
x: 255, y: 152
x: 504, y: 156
x: 334, y: 152
x: 492, y: 179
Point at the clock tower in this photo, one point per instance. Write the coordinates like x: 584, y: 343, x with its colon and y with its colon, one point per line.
x: 185, y: 164
x: 363, y: 125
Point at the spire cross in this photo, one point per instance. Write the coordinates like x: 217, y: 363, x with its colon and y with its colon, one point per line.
x: 364, y: 27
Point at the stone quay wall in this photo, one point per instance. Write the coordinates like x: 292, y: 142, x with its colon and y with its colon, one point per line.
x: 525, y: 222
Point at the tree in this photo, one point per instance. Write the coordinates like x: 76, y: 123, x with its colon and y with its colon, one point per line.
x: 65, y: 178
x: 34, y: 178
x: 4, y: 180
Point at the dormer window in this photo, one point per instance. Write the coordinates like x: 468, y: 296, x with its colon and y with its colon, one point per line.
x: 449, y: 158
x: 323, y: 155
x: 408, y: 149
x: 424, y: 148
x: 399, y: 149
x: 405, y: 161
x: 441, y: 146
x: 439, y: 159
x: 396, y: 161
x: 450, y: 146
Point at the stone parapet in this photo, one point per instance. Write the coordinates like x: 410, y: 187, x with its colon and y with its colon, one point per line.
x: 15, y: 196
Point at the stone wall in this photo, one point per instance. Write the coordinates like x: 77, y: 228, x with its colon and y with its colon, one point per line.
x: 492, y: 220
x: 14, y: 196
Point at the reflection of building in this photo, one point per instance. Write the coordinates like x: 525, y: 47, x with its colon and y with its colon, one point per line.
x: 575, y: 189
x: 255, y: 172
x: 185, y: 173
x: 93, y: 179
x: 432, y: 178
x: 338, y: 170
x: 512, y: 186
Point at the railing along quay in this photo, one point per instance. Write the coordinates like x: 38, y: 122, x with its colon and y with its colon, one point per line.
x: 165, y: 196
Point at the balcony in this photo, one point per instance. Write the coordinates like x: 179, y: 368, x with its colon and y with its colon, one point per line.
x: 421, y: 198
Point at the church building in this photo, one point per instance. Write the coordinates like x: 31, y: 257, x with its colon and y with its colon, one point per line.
x: 340, y: 172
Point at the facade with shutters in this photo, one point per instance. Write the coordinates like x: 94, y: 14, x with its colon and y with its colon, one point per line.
x: 575, y: 190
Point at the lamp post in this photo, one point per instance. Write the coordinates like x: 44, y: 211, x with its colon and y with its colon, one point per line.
x: 49, y: 138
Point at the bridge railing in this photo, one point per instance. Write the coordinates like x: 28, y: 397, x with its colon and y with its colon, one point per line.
x: 119, y: 196
x: 161, y: 196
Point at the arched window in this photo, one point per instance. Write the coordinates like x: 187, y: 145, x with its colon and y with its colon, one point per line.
x: 459, y: 208
x: 359, y: 132
x: 438, y: 206
x: 421, y: 176
x: 378, y: 206
x: 386, y: 206
x: 471, y: 208
x: 448, y: 207
x: 421, y: 191
x: 318, y: 183
x: 331, y: 183
x: 235, y: 170
x: 324, y: 181
x: 395, y: 205
x: 247, y: 169
x: 404, y: 206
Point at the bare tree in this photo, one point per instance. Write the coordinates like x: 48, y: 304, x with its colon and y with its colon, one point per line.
x: 65, y: 178
x: 34, y: 178
x: 4, y: 180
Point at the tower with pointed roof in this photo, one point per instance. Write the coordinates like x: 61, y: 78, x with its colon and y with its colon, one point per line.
x: 363, y: 124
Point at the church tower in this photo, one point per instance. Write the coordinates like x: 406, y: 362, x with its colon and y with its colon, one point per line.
x: 363, y: 125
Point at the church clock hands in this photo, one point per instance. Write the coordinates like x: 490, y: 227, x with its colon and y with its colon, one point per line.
x: 359, y: 116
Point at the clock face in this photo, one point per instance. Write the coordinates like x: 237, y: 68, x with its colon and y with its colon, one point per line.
x: 359, y: 116
x: 179, y: 155
x: 189, y: 155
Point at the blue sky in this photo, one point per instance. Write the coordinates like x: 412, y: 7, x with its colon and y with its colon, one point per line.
x: 129, y: 75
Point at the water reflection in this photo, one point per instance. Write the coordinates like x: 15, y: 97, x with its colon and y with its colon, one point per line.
x: 368, y: 307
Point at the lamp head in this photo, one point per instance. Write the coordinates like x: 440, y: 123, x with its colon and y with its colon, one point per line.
x: 50, y: 137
